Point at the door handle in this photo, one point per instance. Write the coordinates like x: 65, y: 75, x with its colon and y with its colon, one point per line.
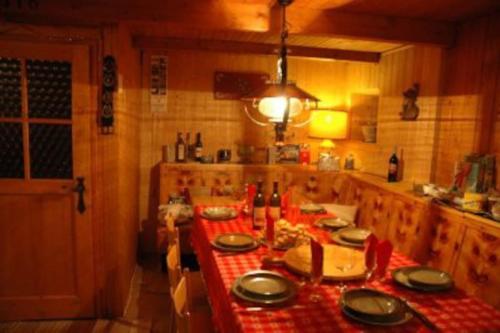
x: 80, y: 189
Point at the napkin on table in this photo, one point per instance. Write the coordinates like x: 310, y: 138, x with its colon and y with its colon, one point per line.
x: 317, y: 258
x: 384, y: 252
x: 371, y: 243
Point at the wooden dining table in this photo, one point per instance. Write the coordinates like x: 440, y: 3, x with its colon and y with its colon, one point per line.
x: 450, y: 311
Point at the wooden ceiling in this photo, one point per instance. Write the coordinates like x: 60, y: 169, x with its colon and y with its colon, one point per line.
x: 358, y: 25
x: 446, y: 10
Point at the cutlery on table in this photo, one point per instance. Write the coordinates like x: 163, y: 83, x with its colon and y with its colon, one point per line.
x: 259, y: 308
x: 423, y: 318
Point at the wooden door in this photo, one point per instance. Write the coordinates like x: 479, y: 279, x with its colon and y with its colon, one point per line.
x: 478, y: 269
x: 446, y: 237
x: 46, y: 255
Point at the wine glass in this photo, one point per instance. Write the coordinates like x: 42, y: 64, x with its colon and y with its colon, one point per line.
x: 316, y: 277
x: 344, y: 264
x: 370, y: 269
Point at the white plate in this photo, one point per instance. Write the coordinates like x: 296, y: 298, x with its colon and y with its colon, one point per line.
x: 429, y: 277
x: 237, y: 240
x: 264, y: 287
x: 332, y: 223
x: 354, y: 235
x: 219, y: 213
x: 400, y: 276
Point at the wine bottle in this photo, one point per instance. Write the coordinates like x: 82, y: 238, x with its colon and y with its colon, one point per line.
x: 275, y: 203
x: 392, y: 175
x: 259, y: 208
x: 198, y: 147
x: 180, y: 149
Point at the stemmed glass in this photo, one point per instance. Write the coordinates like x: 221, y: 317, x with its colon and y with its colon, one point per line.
x: 315, y: 282
x: 344, y: 264
x: 371, y: 265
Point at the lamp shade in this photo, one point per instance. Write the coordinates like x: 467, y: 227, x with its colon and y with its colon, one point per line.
x: 274, y: 107
x: 328, y: 124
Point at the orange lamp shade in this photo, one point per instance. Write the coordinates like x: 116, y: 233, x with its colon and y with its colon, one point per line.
x: 327, y: 124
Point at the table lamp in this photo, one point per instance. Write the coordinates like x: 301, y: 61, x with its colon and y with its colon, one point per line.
x: 328, y: 125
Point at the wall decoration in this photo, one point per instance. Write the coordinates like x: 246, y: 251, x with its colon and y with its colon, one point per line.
x: 108, y: 88
x: 235, y: 85
x: 410, y: 107
x: 158, y: 92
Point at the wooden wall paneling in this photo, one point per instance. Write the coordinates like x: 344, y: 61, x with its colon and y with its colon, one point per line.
x: 470, y: 89
x: 409, y: 229
x: 399, y: 70
x: 447, y: 232
x: 478, y: 269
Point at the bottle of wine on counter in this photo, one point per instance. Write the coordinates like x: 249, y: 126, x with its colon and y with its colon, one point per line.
x: 275, y: 203
x: 180, y: 149
x: 198, y: 147
x: 259, y: 208
x: 392, y: 175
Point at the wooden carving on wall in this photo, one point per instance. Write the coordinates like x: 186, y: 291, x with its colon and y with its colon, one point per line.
x: 108, y: 87
x: 410, y: 107
x: 235, y: 85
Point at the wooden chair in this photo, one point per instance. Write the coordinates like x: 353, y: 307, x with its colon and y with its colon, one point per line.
x: 189, y: 317
x: 174, y: 265
x: 172, y: 231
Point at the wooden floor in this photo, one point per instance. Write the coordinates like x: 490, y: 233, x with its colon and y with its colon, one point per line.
x: 148, y: 309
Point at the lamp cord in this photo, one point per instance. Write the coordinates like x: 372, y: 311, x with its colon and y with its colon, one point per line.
x: 284, y: 68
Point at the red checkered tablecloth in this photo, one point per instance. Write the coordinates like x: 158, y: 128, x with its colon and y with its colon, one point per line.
x: 451, y: 311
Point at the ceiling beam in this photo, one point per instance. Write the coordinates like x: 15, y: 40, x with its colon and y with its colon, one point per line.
x: 370, y: 27
x: 144, y: 42
x: 228, y: 15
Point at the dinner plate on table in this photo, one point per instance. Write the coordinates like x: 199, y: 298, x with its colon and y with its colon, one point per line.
x: 219, y: 213
x: 333, y: 223
x: 423, y: 278
x: 336, y: 237
x: 354, y: 235
x: 235, y: 242
x: 370, y: 306
x: 264, y: 288
x: 312, y: 209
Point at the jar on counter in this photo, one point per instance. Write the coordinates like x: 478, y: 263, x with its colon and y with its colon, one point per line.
x: 305, y: 154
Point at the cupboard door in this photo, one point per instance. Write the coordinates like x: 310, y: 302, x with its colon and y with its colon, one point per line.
x: 372, y: 211
x: 223, y: 183
x: 478, y: 267
x: 446, y: 235
x: 405, y: 221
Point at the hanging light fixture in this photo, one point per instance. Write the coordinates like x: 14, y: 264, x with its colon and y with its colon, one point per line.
x: 280, y: 100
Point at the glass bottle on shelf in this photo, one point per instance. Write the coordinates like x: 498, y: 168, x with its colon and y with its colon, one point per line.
x: 392, y: 175
x: 198, y: 148
x: 180, y: 149
x: 259, y: 208
x: 275, y: 203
